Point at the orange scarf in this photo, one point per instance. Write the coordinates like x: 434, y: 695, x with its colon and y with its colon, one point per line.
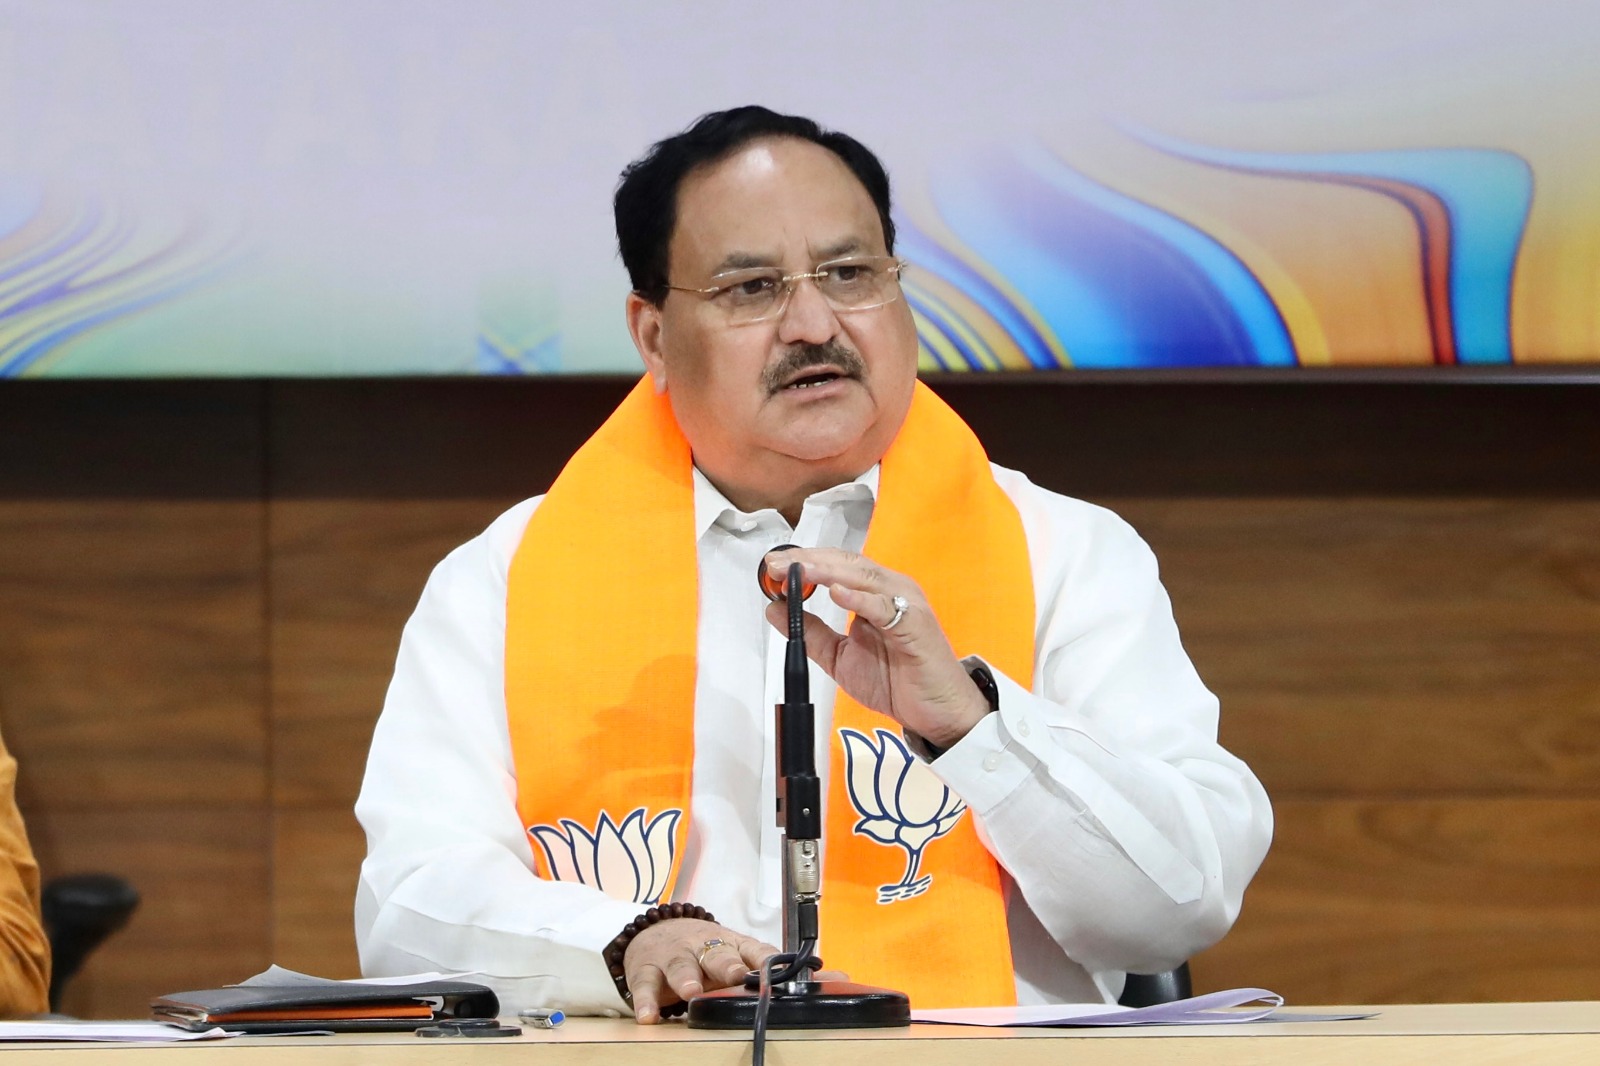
x: 911, y: 898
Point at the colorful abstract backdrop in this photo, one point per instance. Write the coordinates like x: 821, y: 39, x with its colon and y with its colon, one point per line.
x: 387, y: 187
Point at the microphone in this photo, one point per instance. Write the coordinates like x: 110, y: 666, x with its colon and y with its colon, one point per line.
x: 799, y: 789
x: 776, y: 588
x: 785, y: 996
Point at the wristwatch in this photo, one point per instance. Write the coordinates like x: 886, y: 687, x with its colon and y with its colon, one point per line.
x: 984, y: 680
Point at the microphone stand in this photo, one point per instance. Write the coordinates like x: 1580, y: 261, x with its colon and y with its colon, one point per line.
x: 794, y: 999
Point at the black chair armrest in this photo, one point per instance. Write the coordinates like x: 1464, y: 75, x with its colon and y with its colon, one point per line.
x: 79, y: 912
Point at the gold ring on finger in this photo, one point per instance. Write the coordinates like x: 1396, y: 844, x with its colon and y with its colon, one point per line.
x: 714, y: 942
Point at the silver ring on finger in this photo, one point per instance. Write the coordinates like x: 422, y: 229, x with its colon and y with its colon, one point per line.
x: 900, y: 606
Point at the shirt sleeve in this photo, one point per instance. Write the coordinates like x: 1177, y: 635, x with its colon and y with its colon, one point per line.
x: 24, y: 951
x: 1130, y: 832
x: 448, y: 883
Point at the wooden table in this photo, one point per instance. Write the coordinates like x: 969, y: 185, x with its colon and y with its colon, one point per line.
x: 1528, y: 1034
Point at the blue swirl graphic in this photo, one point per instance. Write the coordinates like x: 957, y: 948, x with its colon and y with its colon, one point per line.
x: 1118, y: 281
x: 927, y: 254
x: 1487, y: 193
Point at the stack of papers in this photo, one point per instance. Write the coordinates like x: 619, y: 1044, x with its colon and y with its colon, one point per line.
x: 1213, y: 1008
x: 130, y: 1032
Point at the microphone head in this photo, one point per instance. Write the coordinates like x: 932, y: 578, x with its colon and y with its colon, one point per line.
x: 776, y: 586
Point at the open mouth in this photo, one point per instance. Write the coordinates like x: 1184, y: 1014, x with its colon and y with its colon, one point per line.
x: 813, y: 366
x: 814, y: 379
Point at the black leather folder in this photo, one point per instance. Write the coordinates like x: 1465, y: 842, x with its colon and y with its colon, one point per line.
x: 346, y: 1006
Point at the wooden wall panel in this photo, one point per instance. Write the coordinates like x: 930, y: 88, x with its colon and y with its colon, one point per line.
x: 131, y: 665
x: 316, y: 858
x: 345, y: 575
x: 501, y: 440
x: 1303, y: 433
x: 1437, y: 900
x: 1417, y: 682
x: 1388, y: 646
x: 203, y: 875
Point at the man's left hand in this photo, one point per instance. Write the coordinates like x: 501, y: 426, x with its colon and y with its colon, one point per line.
x: 906, y: 671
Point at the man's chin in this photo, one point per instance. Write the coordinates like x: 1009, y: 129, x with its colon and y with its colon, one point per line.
x: 843, y: 432
x: 826, y: 446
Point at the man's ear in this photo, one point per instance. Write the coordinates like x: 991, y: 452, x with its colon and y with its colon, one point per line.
x: 644, y: 324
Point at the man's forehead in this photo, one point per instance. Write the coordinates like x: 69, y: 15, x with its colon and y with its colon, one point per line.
x: 749, y: 209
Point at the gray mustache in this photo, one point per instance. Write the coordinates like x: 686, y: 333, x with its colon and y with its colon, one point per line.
x: 806, y: 356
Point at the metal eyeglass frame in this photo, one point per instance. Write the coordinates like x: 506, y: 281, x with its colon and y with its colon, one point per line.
x: 790, y: 282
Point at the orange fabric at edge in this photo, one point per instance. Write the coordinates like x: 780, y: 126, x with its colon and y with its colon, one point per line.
x: 24, y: 950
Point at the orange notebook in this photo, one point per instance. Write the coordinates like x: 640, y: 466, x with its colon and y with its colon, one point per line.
x: 339, y: 1006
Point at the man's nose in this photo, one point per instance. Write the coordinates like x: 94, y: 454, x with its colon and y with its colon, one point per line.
x: 807, y: 319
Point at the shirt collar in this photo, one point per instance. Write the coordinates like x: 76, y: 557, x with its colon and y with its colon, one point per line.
x: 710, y: 504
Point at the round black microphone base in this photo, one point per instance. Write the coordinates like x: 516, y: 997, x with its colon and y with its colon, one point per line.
x: 816, y: 1005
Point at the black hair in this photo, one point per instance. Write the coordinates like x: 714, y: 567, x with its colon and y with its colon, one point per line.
x: 646, y: 203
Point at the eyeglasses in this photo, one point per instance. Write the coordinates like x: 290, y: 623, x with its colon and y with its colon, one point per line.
x: 756, y: 294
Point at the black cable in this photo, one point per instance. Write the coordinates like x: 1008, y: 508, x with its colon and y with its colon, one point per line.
x: 801, y: 960
x: 758, y: 1031
x: 792, y: 965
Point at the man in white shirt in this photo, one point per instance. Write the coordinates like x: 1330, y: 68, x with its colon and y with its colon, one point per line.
x: 768, y: 314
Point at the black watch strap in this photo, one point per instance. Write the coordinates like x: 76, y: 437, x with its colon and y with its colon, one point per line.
x: 985, y: 681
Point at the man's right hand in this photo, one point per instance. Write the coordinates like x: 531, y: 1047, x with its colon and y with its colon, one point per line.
x: 670, y: 962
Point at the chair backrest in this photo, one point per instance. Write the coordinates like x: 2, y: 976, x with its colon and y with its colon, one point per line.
x: 79, y: 912
x: 1148, y: 989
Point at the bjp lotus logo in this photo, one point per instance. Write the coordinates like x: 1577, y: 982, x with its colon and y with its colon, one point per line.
x: 901, y: 803
x: 630, y: 861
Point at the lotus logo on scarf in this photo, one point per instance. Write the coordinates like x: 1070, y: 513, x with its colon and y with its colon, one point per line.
x: 630, y: 861
x: 901, y: 803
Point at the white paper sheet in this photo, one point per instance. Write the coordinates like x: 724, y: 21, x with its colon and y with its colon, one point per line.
x: 279, y: 977
x: 134, y: 1032
x: 1210, y: 1009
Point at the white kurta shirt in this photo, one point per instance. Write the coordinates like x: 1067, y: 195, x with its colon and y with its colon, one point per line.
x: 1127, y: 834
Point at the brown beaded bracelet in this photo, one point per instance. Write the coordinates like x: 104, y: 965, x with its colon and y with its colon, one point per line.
x: 614, y: 951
